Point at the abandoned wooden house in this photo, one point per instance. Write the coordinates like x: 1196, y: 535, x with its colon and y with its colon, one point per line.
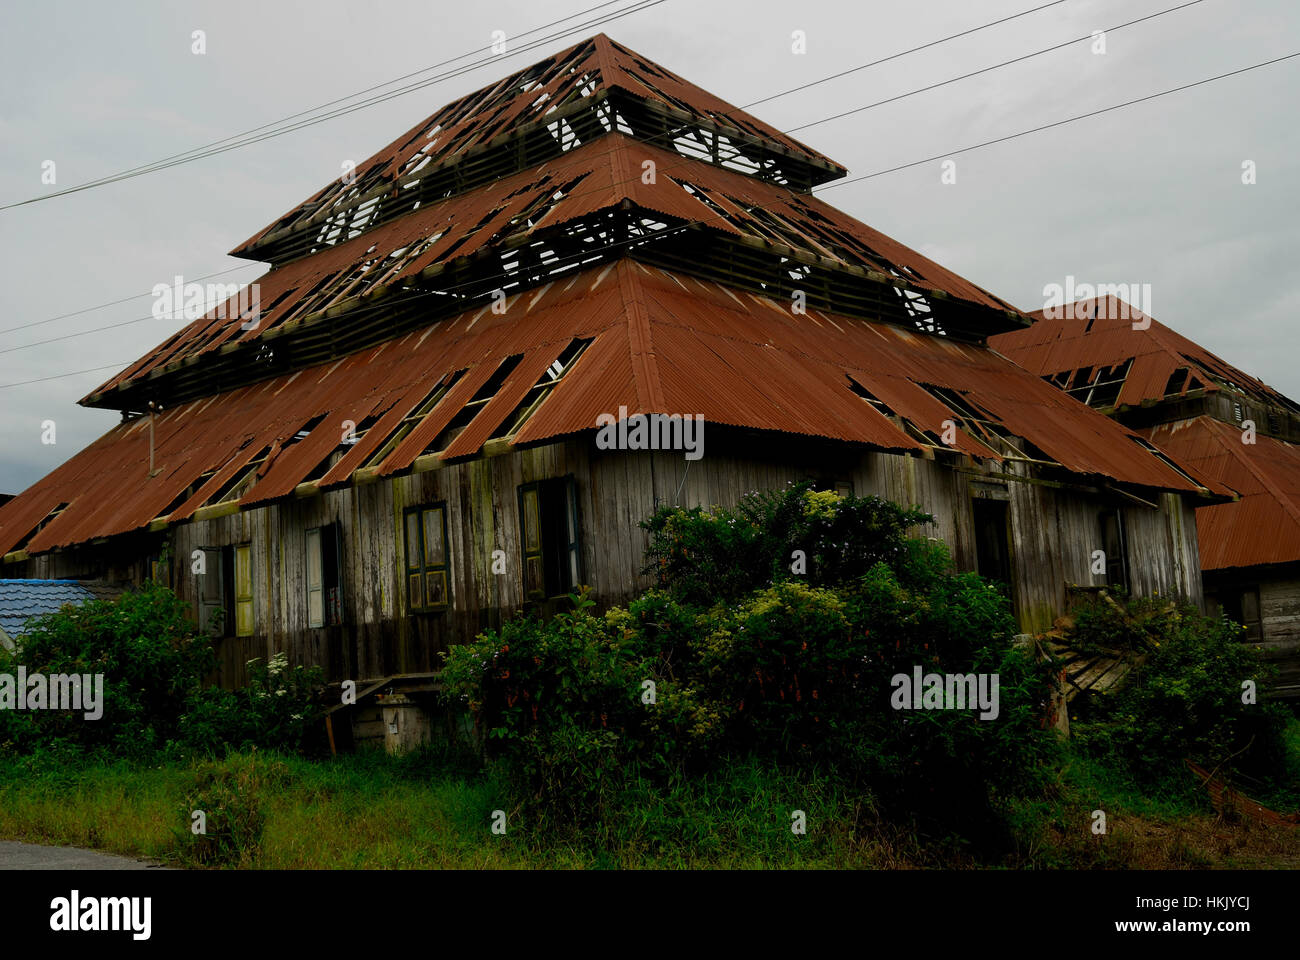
x: 1226, y: 425
x: 398, y: 447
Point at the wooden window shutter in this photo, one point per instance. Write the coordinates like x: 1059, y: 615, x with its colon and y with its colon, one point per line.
x: 244, y: 591
x: 315, y: 580
x: 530, y: 538
x: 414, y: 560
x: 434, y: 524
x: 425, y: 534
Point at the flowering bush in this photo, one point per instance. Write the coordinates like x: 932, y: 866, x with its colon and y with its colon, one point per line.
x: 278, y: 709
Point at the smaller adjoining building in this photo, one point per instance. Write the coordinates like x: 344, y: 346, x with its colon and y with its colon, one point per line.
x: 1211, y: 417
x: 23, y: 600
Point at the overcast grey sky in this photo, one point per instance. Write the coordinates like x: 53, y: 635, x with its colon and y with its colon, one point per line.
x: 1149, y: 194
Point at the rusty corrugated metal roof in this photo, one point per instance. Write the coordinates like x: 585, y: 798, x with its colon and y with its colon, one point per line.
x: 1264, y: 525
x: 1099, y: 333
x: 662, y: 343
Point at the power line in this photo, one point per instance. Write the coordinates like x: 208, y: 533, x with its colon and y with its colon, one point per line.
x: 1058, y: 123
x: 586, y: 254
x: 60, y: 376
x: 755, y: 139
x: 903, y: 53
x: 774, y: 96
x: 80, y: 333
x: 378, y: 86
x: 113, y: 303
x: 996, y: 66
x: 280, y: 131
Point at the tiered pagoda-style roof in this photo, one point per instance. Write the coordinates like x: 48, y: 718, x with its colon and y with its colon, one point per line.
x: 642, y: 242
x: 539, y: 175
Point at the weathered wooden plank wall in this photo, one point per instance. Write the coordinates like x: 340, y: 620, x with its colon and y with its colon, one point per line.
x: 1279, y: 611
x: 1279, y: 607
x: 1053, y: 532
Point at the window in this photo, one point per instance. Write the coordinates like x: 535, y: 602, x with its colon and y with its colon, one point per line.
x: 549, y: 528
x: 241, y: 482
x: 49, y: 518
x: 539, y: 391
x: 413, y: 419
x: 1159, y: 455
x: 243, y: 590
x: 992, y: 540
x: 324, y: 597
x: 225, y: 591
x: 825, y: 484
x: 1115, y: 543
x: 923, y: 437
x: 1102, y: 387
x: 425, y: 530
x: 456, y: 426
x: 212, y: 593
x: 1241, y: 604
x: 980, y: 424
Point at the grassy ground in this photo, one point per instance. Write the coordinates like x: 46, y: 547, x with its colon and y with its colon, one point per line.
x: 432, y: 810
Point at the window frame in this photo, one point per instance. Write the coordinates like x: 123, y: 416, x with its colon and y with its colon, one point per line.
x: 1000, y: 551
x: 417, y: 561
x: 328, y: 552
x: 211, y: 594
x: 565, y: 558
x: 1121, y: 535
x: 1230, y: 601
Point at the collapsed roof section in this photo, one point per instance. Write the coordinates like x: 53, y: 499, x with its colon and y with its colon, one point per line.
x: 1264, y: 474
x: 622, y: 334
x: 592, y: 89
x: 594, y: 204
x: 1111, y: 355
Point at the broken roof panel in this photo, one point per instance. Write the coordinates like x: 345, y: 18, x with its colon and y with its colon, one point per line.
x: 511, y: 215
x: 1105, y: 331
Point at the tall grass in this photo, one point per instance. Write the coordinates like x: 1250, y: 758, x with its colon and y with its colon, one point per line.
x: 434, y: 810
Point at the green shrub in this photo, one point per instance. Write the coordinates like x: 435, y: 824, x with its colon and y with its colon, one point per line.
x: 702, y: 557
x: 555, y: 699
x: 795, y: 670
x: 233, y: 820
x: 1184, y: 701
x: 151, y: 655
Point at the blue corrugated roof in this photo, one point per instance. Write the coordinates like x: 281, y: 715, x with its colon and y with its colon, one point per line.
x: 20, y: 600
